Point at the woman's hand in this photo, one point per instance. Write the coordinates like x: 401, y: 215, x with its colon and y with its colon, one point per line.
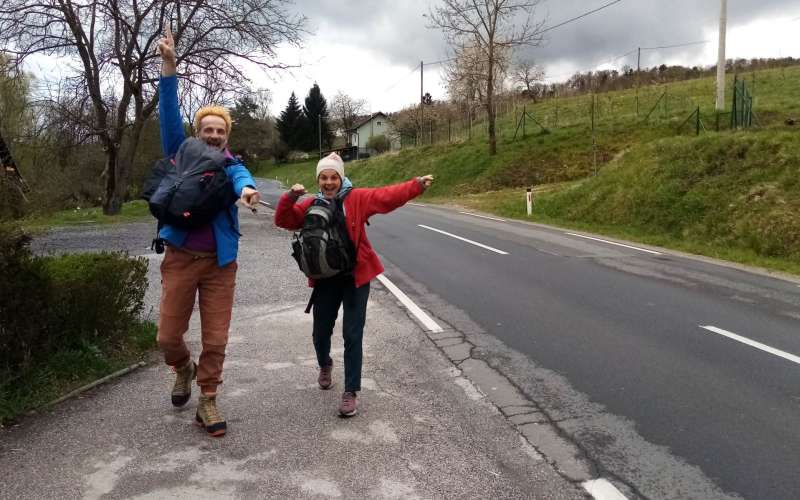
x: 297, y: 191
x: 425, y: 181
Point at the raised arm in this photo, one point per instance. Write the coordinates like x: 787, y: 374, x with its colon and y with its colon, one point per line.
x: 383, y: 200
x: 289, y: 214
x: 170, y: 120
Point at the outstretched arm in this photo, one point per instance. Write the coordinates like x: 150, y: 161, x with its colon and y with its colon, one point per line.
x: 383, y: 200
x: 170, y: 119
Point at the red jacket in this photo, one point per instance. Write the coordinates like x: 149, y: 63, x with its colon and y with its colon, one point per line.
x: 359, y: 205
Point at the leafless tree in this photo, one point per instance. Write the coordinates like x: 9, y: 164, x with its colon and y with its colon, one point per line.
x: 465, y: 75
x: 211, y: 88
x: 113, y: 43
x: 347, y: 110
x: 526, y: 73
x: 263, y: 99
x: 487, y: 27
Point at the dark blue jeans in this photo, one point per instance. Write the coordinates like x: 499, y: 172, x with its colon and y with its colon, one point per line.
x: 329, y: 294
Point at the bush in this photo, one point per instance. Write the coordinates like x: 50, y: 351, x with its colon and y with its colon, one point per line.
x: 379, y: 143
x: 24, y: 286
x: 95, y: 296
x: 49, y: 304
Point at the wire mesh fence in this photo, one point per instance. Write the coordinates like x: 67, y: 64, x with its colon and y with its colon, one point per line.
x: 647, y: 106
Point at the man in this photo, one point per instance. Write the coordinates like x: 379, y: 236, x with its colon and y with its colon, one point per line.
x: 199, y: 261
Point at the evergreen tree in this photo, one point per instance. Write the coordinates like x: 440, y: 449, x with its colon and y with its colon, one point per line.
x: 292, y: 125
x: 251, y: 136
x: 316, y: 107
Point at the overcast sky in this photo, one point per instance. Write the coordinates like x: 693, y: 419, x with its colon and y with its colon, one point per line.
x: 371, y: 49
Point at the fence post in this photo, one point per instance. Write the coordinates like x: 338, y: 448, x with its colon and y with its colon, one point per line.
x: 594, y: 139
x: 556, y: 124
x: 449, y: 130
x: 733, y: 108
x: 430, y: 129
x: 698, y: 120
x: 524, y: 115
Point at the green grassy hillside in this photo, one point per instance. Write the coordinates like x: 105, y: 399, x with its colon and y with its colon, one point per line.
x: 727, y: 194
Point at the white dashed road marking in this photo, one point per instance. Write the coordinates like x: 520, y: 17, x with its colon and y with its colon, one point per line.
x: 602, y: 489
x: 463, y: 239
x: 615, y: 243
x: 752, y: 343
x: 483, y: 216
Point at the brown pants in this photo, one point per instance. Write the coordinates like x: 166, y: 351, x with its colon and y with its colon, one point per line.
x: 182, y: 277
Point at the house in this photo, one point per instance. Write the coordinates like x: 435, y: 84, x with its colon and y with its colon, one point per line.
x: 376, y: 124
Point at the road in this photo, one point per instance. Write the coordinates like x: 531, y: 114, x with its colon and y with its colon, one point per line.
x: 685, y: 371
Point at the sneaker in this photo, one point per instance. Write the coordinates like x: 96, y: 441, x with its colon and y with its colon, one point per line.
x: 182, y: 389
x: 325, y: 380
x: 208, y: 416
x: 349, y: 406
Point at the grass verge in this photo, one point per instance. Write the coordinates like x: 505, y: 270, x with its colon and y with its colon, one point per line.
x: 734, y: 197
x: 133, y: 211
x: 71, y: 368
x: 498, y: 203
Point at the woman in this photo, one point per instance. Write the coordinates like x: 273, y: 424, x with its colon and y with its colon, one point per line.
x: 352, y: 289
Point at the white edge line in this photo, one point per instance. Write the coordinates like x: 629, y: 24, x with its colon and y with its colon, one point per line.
x: 483, y: 216
x: 615, y: 243
x: 463, y: 239
x: 421, y: 315
x: 602, y: 489
x: 752, y: 343
x: 416, y: 204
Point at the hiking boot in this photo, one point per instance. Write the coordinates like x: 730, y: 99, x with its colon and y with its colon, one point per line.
x: 182, y: 389
x: 325, y: 380
x: 349, y: 406
x: 208, y: 416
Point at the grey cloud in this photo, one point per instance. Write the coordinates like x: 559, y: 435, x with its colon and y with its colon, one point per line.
x: 397, y: 31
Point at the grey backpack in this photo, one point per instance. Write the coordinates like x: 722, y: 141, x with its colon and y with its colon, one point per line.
x: 322, y: 248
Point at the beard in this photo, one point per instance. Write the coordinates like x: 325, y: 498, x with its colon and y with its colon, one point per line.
x: 215, y: 143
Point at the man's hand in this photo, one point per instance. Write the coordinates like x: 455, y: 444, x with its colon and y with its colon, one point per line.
x: 250, y: 197
x: 425, y: 181
x: 297, y: 191
x: 166, y: 49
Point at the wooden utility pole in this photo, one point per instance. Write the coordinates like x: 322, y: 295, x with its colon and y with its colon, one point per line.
x: 723, y: 19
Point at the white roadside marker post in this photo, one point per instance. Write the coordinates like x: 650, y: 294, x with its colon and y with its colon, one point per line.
x: 529, y: 198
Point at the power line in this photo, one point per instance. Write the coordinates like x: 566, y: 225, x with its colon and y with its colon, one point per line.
x: 701, y: 42
x: 395, y: 84
x: 440, y: 62
x: 687, y: 44
x: 547, y: 29
x: 579, y: 17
